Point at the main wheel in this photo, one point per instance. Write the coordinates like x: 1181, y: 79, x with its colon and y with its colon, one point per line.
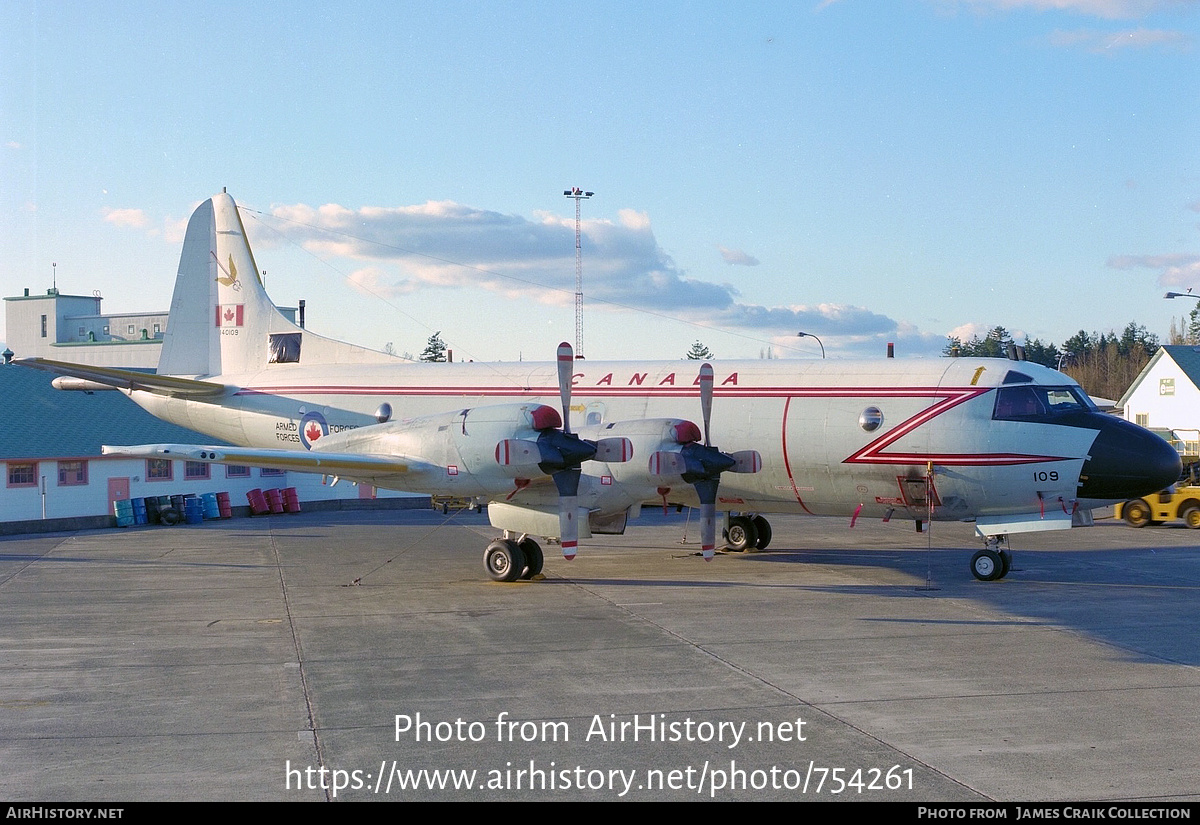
x: 741, y: 534
x: 1006, y: 559
x: 1191, y: 516
x: 533, y: 557
x: 504, y: 560
x: 763, y: 528
x: 1136, y: 513
x: 987, y: 566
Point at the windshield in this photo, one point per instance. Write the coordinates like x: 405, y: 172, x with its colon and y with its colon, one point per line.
x: 1035, y: 401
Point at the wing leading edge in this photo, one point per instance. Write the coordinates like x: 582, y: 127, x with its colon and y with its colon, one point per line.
x: 127, y: 379
x: 338, y: 464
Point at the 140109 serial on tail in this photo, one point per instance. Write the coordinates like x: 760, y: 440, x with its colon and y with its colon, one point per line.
x: 565, y: 449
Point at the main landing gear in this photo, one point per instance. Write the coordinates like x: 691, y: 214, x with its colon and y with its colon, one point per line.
x: 509, y: 559
x: 993, y: 561
x: 748, y: 533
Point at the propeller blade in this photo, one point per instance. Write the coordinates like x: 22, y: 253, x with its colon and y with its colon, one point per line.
x: 568, y: 527
x: 748, y: 461
x: 708, y: 530
x: 706, y: 396
x: 518, y: 451
x: 613, y: 450
x: 566, y: 365
x: 667, y: 463
x: 567, y: 482
x: 706, y: 489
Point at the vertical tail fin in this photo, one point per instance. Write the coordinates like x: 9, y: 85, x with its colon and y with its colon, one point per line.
x: 222, y: 322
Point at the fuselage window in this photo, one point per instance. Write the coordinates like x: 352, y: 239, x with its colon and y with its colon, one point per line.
x: 285, y: 348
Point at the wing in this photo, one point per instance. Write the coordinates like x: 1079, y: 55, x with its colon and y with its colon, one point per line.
x: 125, y: 379
x: 373, y: 468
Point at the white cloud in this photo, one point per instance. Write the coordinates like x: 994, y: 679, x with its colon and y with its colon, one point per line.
x: 174, y: 230
x: 965, y: 332
x: 1180, y: 269
x: 1098, y: 42
x: 132, y: 218
x: 444, y: 245
x: 1108, y: 9
x: 372, y: 280
x: 737, y: 257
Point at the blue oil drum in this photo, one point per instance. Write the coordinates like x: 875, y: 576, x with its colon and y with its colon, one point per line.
x: 123, y: 510
x: 193, y: 510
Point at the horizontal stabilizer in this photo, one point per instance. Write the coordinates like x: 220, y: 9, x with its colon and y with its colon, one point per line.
x: 127, y: 379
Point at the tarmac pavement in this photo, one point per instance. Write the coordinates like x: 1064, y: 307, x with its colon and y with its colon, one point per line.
x: 346, y: 655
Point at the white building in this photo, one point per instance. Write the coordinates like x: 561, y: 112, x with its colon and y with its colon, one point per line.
x: 72, y: 328
x: 50, y: 447
x: 1165, y: 397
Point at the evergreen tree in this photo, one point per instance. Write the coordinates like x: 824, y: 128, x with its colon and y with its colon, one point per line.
x: 435, y: 348
x: 699, y: 352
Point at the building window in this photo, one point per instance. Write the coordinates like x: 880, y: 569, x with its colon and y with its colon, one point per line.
x: 1142, y: 419
x: 195, y: 470
x: 81, y: 331
x: 237, y: 471
x: 43, y: 326
x: 71, y: 473
x: 267, y: 472
x: 159, y: 469
x: 157, y: 329
x: 106, y: 329
x: 22, y: 474
x: 130, y: 329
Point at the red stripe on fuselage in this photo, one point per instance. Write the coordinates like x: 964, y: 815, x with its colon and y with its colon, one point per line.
x: 872, y: 453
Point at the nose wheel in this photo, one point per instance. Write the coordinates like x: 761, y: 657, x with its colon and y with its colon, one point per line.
x: 992, y: 562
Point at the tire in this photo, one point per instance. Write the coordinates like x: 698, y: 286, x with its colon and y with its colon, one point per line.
x: 987, y: 566
x: 1006, y: 559
x: 763, y: 528
x: 168, y: 516
x: 504, y: 561
x: 741, y: 534
x: 1136, y: 513
x: 534, y: 560
x: 1191, y: 516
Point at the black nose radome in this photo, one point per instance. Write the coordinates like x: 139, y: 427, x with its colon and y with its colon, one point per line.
x: 1127, y: 462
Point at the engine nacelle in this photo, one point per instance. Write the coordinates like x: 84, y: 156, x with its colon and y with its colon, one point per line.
x: 456, y: 452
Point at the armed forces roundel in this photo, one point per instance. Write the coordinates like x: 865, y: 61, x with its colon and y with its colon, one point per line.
x: 313, y: 427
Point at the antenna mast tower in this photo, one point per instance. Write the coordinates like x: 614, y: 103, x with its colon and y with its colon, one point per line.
x: 578, y: 195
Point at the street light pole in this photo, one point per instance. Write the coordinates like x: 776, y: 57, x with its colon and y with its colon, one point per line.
x: 810, y: 335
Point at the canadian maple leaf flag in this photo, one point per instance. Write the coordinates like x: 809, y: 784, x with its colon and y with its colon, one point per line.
x: 229, y: 315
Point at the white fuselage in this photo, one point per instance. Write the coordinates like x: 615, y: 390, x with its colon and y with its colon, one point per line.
x: 816, y: 424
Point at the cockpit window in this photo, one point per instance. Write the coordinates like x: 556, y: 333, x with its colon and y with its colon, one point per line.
x: 1014, y: 377
x: 1035, y: 400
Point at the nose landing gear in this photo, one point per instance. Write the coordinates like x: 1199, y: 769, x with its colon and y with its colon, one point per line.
x: 992, y: 562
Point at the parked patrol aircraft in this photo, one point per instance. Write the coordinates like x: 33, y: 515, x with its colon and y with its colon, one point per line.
x: 1011, y: 445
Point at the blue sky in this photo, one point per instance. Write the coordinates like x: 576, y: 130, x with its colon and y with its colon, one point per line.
x: 865, y: 171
